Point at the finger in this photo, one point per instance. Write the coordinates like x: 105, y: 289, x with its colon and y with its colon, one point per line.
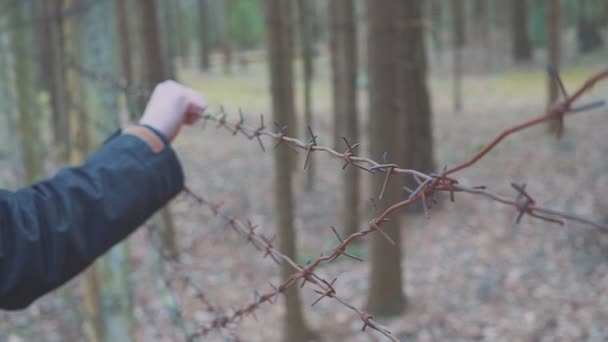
x: 196, y: 102
x: 192, y: 117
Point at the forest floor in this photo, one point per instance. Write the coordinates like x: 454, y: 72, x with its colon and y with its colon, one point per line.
x: 470, y: 272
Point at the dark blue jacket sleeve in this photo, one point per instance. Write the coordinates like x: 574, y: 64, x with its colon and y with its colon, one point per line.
x: 52, y: 230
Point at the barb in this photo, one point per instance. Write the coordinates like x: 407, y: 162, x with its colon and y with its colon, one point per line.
x: 430, y: 183
x: 304, y: 273
x: 555, y: 112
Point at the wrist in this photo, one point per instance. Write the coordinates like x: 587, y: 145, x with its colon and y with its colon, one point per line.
x: 162, y: 136
x: 154, y: 139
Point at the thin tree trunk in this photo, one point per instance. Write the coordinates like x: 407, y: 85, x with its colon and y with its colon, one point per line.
x: 154, y: 73
x: 435, y: 10
x: 182, y: 32
x: 23, y: 77
x: 57, y: 72
x: 343, y: 34
x: 385, y: 294
x: 204, y: 39
x: 226, y: 43
x: 415, y: 107
x: 6, y: 93
x: 80, y: 146
x: 553, y: 46
x: 307, y: 72
x: 458, y: 41
x: 126, y: 59
x: 280, y: 55
x: 553, y: 57
x: 169, y: 37
x: 522, y: 48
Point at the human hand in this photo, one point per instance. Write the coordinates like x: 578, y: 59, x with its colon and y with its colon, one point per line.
x: 171, y: 106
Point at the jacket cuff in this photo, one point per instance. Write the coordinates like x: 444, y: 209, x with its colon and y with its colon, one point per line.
x: 149, y: 136
x: 159, y: 157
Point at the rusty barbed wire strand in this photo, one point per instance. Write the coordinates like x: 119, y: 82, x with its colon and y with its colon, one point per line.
x: 304, y: 273
x: 555, y: 113
x: 428, y: 184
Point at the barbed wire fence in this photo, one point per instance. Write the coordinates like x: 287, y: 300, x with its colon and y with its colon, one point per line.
x: 428, y: 185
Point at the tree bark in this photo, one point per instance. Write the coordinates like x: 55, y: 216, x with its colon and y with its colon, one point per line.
x: 280, y: 55
x: 304, y: 11
x: 553, y: 46
x: 32, y: 167
x: 80, y: 145
x: 588, y: 28
x: 182, y: 32
x: 155, y: 73
x: 522, y: 48
x: 553, y: 58
x: 225, y: 40
x: 435, y: 14
x: 126, y: 58
x: 415, y: 105
x: 385, y: 20
x: 205, y: 38
x: 54, y: 71
x: 7, y: 107
x: 344, y: 61
x: 168, y: 26
x: 458, y: 42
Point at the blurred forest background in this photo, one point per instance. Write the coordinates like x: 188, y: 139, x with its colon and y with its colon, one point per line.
x: 418, y: 83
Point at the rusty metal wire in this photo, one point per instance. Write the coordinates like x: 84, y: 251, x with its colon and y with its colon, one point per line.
x: 304, y: 274
x: 427, y: 186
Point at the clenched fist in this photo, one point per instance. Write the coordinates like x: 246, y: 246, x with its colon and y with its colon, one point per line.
x: 171, y: 106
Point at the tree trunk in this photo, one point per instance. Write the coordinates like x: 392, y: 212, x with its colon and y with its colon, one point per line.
x: 415, y: 106
x: 79, y: 148
x: 56, y: 75
x: 205, y: 37
x: 553, y: 46
x: 304, y: 11
x: 225, y: 40
x: 182, y: 32
x: 7, y: 106
x: 126, y: 59
x: 344, y: 61
x: 522, y: 49
x: 280, y: 55
x: 154, y: 73
x: 385, y: 295
x: 435, y: 14
x: 588, y: 28
x: 32, y: 167
x: 168, y: 25
x: 458, y: 42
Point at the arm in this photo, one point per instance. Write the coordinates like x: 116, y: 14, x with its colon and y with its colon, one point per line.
x: 52, y: 230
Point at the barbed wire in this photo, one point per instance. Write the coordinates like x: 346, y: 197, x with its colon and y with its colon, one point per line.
x: 304, y: 273
x: 428, y: 184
